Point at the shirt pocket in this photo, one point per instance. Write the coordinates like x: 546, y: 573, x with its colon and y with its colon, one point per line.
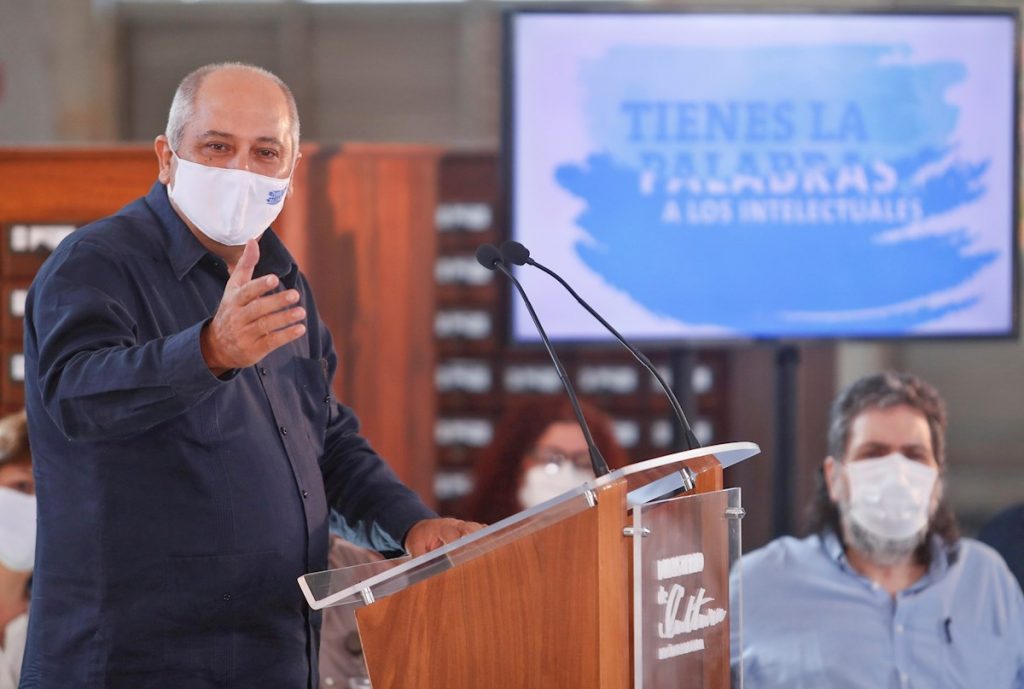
x: 979, y: 658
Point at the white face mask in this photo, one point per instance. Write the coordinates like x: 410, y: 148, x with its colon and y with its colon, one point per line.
x: 228, y: 206
x: 890, y: 497
x: 541, y: 483
x: 17, y: 530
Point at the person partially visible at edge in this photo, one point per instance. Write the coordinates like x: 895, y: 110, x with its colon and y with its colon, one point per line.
x: 884, y: 593
x: 538, y: 452
x: 187, y: 448
x: 1005, y: 533
x: 17, y: 543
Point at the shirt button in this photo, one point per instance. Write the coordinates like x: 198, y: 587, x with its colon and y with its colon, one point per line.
x: 284, y: 431
x: 329, y: 681
x: 305, y: 493
x: 226, y: 596
x: 899, y: 629
x: 263, y: 370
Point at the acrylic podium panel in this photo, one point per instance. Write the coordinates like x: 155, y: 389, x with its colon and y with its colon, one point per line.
x: 683, y: 551
x: 541, y: 599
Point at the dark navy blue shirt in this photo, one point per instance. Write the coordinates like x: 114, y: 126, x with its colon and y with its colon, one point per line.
x: 176, y: 509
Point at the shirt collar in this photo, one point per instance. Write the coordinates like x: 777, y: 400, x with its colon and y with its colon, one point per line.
x: 184, y: 251
x: 834, y: 549
x: 937, y: 567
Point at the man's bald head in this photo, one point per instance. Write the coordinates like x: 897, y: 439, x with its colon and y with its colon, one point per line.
x: 184, y: 104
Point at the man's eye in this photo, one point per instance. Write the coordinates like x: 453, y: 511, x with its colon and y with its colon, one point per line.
x: 216, y: 147
x: 268, y: 153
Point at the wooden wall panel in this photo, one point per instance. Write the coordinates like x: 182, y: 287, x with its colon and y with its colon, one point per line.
x: 54, y: 185
x: 364, y: 232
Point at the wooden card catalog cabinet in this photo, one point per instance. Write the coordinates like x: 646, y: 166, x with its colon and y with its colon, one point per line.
x: 48, y: 192
x: 26, y: 246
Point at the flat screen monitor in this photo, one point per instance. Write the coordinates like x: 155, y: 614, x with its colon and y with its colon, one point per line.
x: 765, y: 176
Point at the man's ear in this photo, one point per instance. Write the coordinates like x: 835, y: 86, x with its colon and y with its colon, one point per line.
x: 163, y: 158
x: 291, y: 180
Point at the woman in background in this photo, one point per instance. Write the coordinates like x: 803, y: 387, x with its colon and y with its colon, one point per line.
x: 538, y: 452
x: 17, y: 543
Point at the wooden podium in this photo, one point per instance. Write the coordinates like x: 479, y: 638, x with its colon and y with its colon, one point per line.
x: 620, y: 583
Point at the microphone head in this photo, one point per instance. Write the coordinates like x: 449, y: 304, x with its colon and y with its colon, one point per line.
x: 488, y: 256
x: 514, y: 252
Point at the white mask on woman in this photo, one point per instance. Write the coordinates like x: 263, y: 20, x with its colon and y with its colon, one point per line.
x: 228, y: 206
x: 545, y: 481
x: 17, y: 530
x: 890, y: 497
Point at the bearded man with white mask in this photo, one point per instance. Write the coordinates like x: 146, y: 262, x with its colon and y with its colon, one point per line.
x: 884, y: 594
x: 188, y: 451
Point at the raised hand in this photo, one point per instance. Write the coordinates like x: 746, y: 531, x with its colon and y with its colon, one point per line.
x: 249, y: 323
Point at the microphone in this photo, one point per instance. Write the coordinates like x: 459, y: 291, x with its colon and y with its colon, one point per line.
x: 517, y: 254
x: 489, y: 257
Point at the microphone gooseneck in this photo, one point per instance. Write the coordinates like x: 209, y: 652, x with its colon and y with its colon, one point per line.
x: 514, y: 252
x: 489, y: 257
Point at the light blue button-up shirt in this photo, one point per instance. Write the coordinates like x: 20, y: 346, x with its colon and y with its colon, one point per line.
x: 811, y: 621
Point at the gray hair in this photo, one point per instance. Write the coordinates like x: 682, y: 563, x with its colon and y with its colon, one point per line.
x: 184, y: 103
x: 881, y: 391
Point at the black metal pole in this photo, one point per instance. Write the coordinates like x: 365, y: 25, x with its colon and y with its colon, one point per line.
x: 787, y: 359
x: 681, y: 363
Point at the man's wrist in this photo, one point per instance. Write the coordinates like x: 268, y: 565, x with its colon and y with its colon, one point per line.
x: 208, y: 351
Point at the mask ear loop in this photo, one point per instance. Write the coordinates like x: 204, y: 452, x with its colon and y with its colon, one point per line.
x: 177, y: 165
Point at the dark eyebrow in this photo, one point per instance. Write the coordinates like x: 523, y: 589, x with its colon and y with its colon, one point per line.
x: 214, y: 133
x: 270, y: 140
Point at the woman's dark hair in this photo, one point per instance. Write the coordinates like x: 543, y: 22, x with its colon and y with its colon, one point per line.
x: 499, y: 469
x: 882, y: 391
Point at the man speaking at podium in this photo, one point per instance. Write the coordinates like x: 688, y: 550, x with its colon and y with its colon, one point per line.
x: 187, y: 447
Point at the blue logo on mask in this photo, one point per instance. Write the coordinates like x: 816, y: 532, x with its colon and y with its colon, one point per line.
x: 274, y: 197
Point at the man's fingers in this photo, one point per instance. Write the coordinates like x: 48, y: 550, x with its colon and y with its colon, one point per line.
x: 275, y: 321
x: 470, y: 527
x: 246, y: 264
x: 250, y: 291
x: 282, y: 337
x: 430, y: 534
x: 261, y: 306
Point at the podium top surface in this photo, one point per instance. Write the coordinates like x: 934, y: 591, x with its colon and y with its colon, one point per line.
x: 646, y: 481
